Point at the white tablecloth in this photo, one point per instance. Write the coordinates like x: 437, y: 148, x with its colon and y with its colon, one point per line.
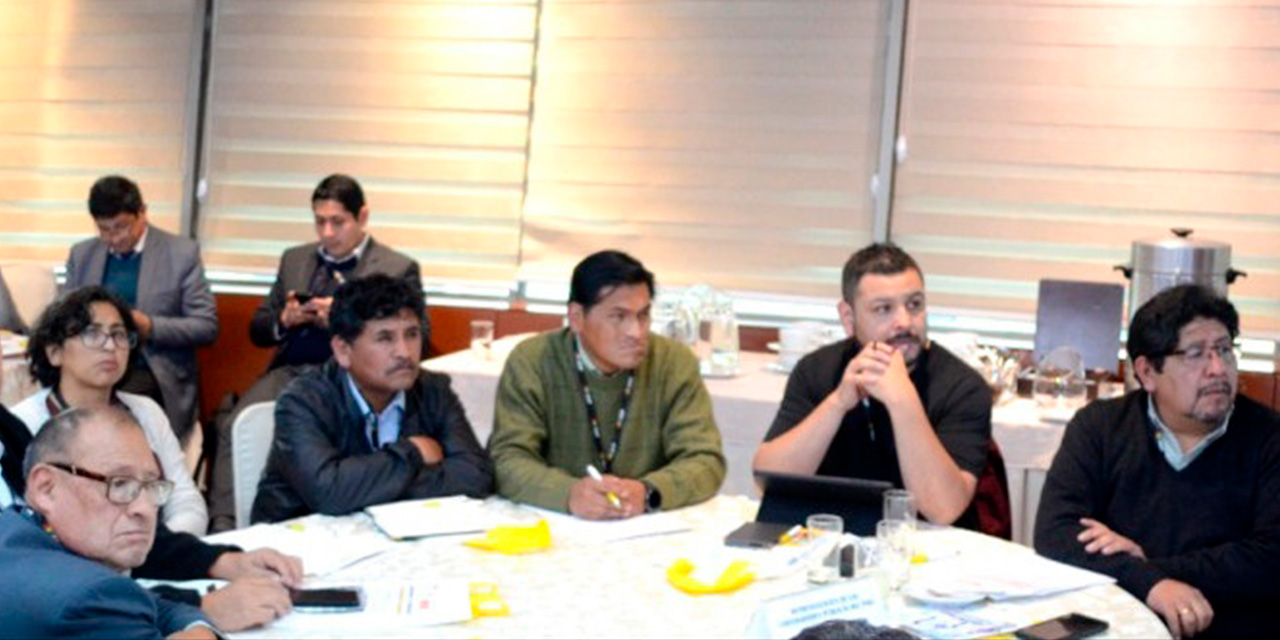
x: 619, y: 589
x: 745, y: 406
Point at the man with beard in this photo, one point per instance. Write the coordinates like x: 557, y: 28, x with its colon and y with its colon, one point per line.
x: 885, y: 404
x: 1174, y: 489
x: 605, y: 393
x: 370, y: 426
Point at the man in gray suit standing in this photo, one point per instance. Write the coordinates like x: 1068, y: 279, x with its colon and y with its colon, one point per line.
x: 294, y: 317
x: 161, y: 276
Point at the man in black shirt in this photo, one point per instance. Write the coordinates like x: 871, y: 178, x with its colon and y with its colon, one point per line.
x: 884, y: 403
x: 1174, y: 489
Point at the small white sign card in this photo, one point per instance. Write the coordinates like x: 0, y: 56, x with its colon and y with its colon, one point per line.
x: 786, y: 616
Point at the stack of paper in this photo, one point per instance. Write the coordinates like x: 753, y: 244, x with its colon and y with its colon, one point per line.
x: 574, y: 530
x: 434, y: 517
x: 1031, y: 576
x: 322, y: 551
x: 388, y: 605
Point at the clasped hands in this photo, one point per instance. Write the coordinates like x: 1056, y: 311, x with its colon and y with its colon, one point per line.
x: 879, y: 371
x: 1183, y: 607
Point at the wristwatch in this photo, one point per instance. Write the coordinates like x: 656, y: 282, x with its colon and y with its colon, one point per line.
x: 652, y: 497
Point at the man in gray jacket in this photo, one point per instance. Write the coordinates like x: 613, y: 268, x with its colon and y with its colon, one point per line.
x: 161, y: 277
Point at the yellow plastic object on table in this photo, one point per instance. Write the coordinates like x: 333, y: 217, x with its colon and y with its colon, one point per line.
x: 485, y: 601
x: 514, y: 538
x: 735, y: 576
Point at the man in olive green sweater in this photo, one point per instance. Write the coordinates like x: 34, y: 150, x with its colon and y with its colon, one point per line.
x: 605, y: 393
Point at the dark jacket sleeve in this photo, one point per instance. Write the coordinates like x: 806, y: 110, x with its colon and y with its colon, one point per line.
x: 179, y: 556
x: 262, y: 328
x: 1075, y: 488
x: 466, y: 468
x: 329, y: 479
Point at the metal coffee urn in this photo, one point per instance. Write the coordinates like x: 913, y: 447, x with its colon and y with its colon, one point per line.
x: 1160, y: 263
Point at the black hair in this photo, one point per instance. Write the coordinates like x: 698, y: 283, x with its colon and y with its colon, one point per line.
x: 112, y: 195
x: 1153, y: 332
x: 603, y: 271
x: 54, y: 438
x: 373, y: 297
x: 340, y: 188
x: 883, y: 258
x: 66, y: 318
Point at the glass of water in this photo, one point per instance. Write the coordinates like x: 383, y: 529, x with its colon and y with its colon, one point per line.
x: 825, y: 529
x: 900, y: 505
x: 894, y: 538
x: 482, y: 339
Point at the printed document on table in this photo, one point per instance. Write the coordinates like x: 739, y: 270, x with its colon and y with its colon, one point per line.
x: 434, y: 517
x: 1030, y: 575
x: 565, y: 527
x: 388, y: 605
x: 322, y: 551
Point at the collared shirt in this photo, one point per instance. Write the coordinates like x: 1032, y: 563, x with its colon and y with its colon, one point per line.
x: 137, y: 248
x: 359, y: 251
x: 587, y: 363
x: 1167, y: 442
x: 387, y: 423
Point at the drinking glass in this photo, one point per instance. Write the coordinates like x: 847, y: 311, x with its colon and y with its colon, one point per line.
x: 894, y: 538
x: 825, y: 529
x: 900, y: 505
x: 482, y: 339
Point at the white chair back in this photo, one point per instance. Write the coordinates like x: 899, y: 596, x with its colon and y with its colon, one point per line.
x: 31, y: 288
x: 251, y: 436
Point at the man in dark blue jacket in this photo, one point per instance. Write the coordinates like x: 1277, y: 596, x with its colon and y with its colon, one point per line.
x: 370, y: 426
x: 94, y: 490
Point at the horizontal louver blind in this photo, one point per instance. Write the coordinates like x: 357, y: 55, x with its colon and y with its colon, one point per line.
x: 88, y: 88
x: 425, y: 103
x: 1044, y: 137
x: 729, y: 142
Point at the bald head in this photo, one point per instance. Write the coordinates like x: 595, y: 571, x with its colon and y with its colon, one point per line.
x: 69, y: 466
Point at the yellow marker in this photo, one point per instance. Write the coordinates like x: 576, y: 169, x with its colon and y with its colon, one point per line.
x: 595, y: 475
x: 791, y: 535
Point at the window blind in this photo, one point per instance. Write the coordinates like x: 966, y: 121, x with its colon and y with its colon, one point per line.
x: 88, y: 88
x: 1044, y: 137
x: 721, y: 141
x: 425, y: 103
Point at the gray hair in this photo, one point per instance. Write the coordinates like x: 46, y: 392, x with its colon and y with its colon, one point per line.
x: 54, y: 439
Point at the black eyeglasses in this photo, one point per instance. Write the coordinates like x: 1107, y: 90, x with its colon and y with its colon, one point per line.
x: 95, y: 338
x: 1199, y: 355
x: 123, y: 489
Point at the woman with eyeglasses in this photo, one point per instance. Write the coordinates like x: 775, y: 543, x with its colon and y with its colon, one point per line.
x: 80, y: 349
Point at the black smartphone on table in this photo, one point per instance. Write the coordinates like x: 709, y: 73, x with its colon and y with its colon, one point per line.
x: 338, y: 599
x: 1068, y: 627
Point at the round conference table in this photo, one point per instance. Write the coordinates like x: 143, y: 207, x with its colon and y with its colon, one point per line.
x: 585, y: 588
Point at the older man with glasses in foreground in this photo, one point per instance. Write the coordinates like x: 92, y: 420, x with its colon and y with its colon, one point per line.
x: 1174, y: 489
x: 93, y: 492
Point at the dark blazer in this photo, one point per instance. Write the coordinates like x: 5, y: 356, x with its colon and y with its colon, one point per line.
x: 49, y: 592
x: 322, y: 461
x: 296, y: 268
x: 173, y: 291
